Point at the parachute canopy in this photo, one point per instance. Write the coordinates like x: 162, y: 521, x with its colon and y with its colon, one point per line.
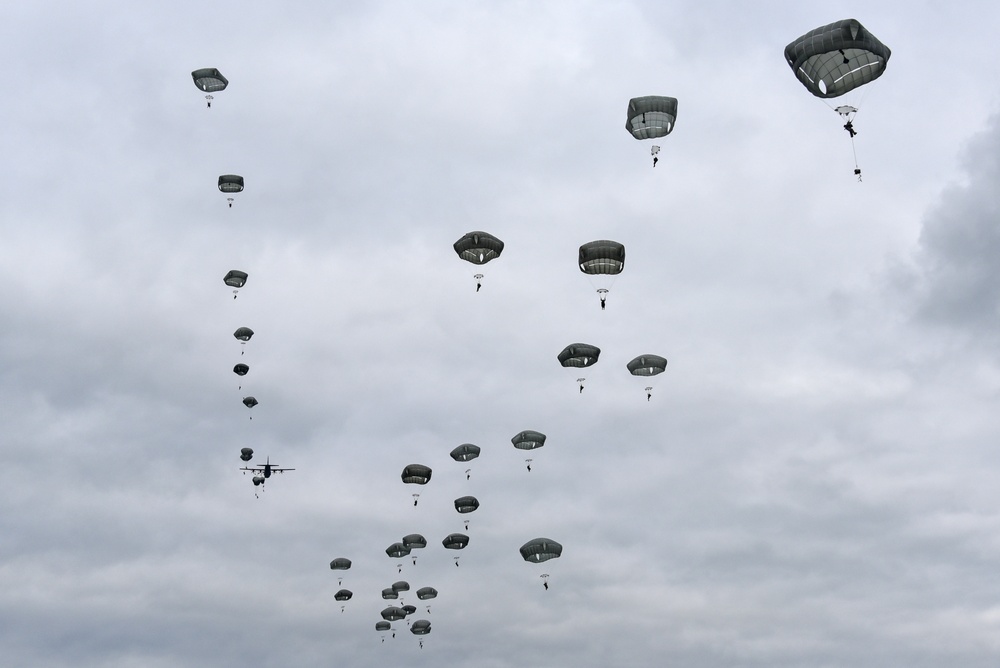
x: 647, y: 365
x: 409, y: 609
x: 425, y: 593
x: 416, y: 474
x: 836, y: 58
x: 651, y: 116
x: 340, y: 564
x: 465, y: 452
x: 393, y: 614
x: 397, y: 550
x: 402, y: 585
x: 421, y: 627
x: 602, y: 257
x: 389, y: 592
x: 241, y: 369
x: 344, y: 595
x: 209, y: 80
x: 250, y: 402
x: 466, y: 504
x: 478, y: 247
x: 246, y: 454
x: 382, y: 626
x: 243, y: 333
x: 455, y: 541
x: 235, y: 278
x: 528, y: 440
x: 579, y: 355
x: 414, y: 541
x: 231, y: 183
x: 540, y: 549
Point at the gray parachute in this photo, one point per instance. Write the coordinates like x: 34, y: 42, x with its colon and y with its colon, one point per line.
x: 343, y: 595
x: 466, y: 504
x: 651, y: 116
x: 602, y: 257
x: 414, y: 541
x: 246, y: 454
x: 837, y: 58
x: 647, y: 365
x: 421, y: 627
x: 540, y: 549
x: 340, y: 564
x: 209, y: 80
x: 528, y: 440
x: 579, y: 355
x: 455, y: 541
x: 478, y: 247
x: 416, y: 474
x: 465, y: 452
x: 425, y: 593
x: 393, y: 614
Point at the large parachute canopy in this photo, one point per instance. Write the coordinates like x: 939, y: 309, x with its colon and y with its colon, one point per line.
x: 579, y: 355
x: 246, y: 454
x: 528, y: 440
x: 230, y: 184
x: 647, y: 365
x: 425, y: 593
x: 465, y: 452
x: 235, y: 279
x: 414, y: 541
x: 478, y: 248
x: 416, y: 474
x: 397, y: 550
x: 250, y: 402
x: 421, y: 627
x: 651, y: 116
x: 466, y: 504
x: 389, y: 593
x: 340, y: 564
x: 243, y: 334
x: 402, y: 585
x: 343, y: 595
x: 540, y: 549
x: 455, y: 541
x: 393, y: 614
x: 241, y: 369
x: 603, y: 259
x: 837, y: 58
x: 209, y: 80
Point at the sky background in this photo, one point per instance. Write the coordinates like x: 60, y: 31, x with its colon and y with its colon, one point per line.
x: 813, y: 482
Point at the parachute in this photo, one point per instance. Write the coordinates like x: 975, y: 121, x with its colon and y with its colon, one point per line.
x: 235, y: 279
x: 389, y: 593
x: 250, y: 402
x: 651, y: 117
x: 421, y: 627
x: 836, y: 59
x: 579, y: 355
x: 426, y: 593
x: 466, y: 504
x: 540, y: 549
x: 246, y: 454
x: 416, y: 474
x: 243, y: 334
x: 602, y: 258
x: 343, y: 595
x: 478, y: 248
x: 465, y: 452
x: 241, y: 369
x: 382, y: 626
x: 209, y: 80
x: 455, y: 541
x: 528, y: 440
x: 647, y: 365
x: 340, y: 564
x: 402, y: 585
x: 397, y: 550
x: 393, y: 614
x: 231, y: 184
x: 414, y: 541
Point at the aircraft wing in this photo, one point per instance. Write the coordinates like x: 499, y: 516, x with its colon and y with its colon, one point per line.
x: 274, y: 470
x: 253, y: 469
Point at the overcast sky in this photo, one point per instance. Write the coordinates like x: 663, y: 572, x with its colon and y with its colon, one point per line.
x: 812, y: 483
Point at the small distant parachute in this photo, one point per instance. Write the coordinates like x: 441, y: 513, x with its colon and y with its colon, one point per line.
x: 647, y: 365
x: 393, y: 614
x: 390, y: 593
x: 604, y: 259
x: 528, y: 440
x: 651, y: 117
x: 231, y: 184
x: 250, y: 402
x: 465, y: 452
x: 455, y: 541
x: 241, y: 369
x: 409, y: 609
x: 402, y: 585
x: 426, y: 593
x: 235, y: 279
x: 466, y: 504
x: 579, y: 355
x: 538, y: 550
x: 416, y: 474
x: 421, y: 627
x: 382, y: 626
x: 478, y: 248
x: 340, y: 564
x: 397, y: 550
x: 209, y: 80
x: 246, y: 454
x: 343, y: 595
x: 414, y: 541
x: 243, y: 334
